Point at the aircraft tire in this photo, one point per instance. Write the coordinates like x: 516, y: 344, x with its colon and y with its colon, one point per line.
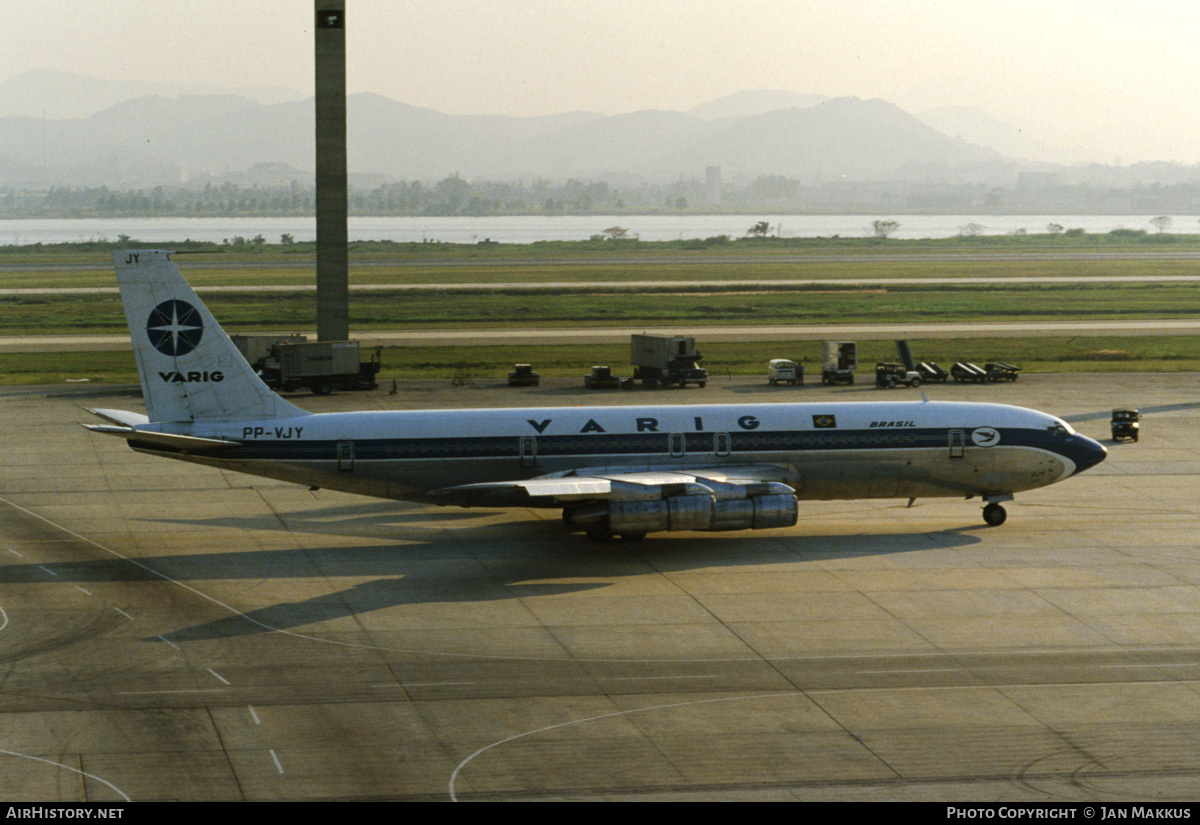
x: 994, y: 515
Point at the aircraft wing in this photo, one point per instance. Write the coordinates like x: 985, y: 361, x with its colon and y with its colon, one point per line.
x: 641, y: 485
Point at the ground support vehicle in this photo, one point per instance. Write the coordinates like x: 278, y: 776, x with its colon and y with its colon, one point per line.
x: 322, y: 366
x: 839, y: 360
x: 256, y: 348
x: 966, y: 371
x: 784, y: 371
x: 666, y: 361
x: 1126, y: 424
x: 890, y: 375
x: 601, y: 378
x: 998, y: 371
x: 523, y: 376
x: 932, y: 372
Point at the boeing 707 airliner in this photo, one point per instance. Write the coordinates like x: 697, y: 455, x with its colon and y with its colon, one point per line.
x: 614, y: 471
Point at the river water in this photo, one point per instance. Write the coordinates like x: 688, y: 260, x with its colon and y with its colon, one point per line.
x: 531, y: 228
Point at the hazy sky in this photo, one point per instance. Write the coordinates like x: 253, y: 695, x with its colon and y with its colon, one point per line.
x: 1120, y: 78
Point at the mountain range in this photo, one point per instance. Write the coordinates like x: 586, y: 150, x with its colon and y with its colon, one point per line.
x: 173, y: 135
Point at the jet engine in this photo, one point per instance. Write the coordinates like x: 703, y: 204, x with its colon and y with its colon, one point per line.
x: 705, y: 506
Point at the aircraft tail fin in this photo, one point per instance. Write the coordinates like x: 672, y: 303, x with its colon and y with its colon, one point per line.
x: 189, y: 369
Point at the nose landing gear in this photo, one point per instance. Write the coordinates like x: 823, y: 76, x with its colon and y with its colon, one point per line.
x: 994, y: 515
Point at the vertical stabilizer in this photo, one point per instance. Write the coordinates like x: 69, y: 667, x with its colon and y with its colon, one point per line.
x: 189, y: 368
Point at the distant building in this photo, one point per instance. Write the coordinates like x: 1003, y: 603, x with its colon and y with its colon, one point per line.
x: 277, y: 175
x: 712, y: 184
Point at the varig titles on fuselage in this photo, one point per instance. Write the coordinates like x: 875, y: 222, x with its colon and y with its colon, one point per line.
x: 642, y: 424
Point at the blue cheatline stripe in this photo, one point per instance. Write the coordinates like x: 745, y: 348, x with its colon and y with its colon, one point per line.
x: 602, y: 444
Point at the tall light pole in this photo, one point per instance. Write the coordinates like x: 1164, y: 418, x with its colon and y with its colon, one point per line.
x: 333, y: 263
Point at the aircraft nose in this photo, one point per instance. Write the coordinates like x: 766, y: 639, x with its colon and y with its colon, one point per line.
x: 1086, y: 453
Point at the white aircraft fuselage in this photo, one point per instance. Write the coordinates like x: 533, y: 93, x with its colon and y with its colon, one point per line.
x: 834, y: 450
x: 623, y: 470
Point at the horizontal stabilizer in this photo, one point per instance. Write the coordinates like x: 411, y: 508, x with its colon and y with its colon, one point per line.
x: 167, y: 441
x: 122, y: 417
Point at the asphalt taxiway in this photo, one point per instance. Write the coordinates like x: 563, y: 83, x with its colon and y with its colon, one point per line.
x: 169, y: 631
x: 560, y: 336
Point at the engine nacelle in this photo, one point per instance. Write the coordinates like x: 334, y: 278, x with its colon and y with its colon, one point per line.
x: 693, y: 512
x: 757, y: 513
x: 698, y: 511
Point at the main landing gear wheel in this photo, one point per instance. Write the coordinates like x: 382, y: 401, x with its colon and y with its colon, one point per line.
x: 994, y: 515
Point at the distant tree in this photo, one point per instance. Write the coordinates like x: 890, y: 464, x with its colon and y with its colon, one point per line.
x: 1054, y: 228
x: 970, y: 230
x: 286, y: 238
x: 1162, y: 223
x: 884, y: 229
x: 759, y: 230
x: 614, y: 233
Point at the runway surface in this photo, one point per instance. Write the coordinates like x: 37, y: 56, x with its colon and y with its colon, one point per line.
x: 170, y: 631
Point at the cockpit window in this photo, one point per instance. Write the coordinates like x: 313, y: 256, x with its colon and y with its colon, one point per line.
x: 1060, y: 430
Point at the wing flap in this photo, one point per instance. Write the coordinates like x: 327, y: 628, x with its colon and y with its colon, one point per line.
x: 623, y: 486
x: 564, y: 488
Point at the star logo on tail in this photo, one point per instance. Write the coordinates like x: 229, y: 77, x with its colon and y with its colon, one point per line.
x: 174, y: 328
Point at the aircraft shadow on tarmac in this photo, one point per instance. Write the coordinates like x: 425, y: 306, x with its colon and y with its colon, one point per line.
x: 423, y: 560
x: 428, y: 564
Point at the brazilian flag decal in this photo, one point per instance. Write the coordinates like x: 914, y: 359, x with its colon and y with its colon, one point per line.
x: 825, y: 422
